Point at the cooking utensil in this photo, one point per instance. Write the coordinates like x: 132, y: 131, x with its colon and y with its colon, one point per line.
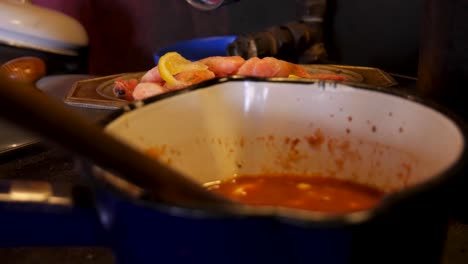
x: 26, y: 106
x: 14, y: 139
x: 25, y: 25
x: 11, y: 137
x: 242, y: 126
x: 232, y: 125
x: 29, y: 30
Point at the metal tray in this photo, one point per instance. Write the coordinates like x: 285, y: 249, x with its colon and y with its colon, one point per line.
x: 97, y: 92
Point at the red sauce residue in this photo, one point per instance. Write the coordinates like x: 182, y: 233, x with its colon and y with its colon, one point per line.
x: 156, y: 152
x: 315, y: 193
x: 407, y: 168
x: 344, y: 146
x: 331, y: 146
x: 400, y: 130
x: 287, y: 140
x: 174, y: 152
x: 315, y: 140
x: 294, y: 144
x: 339, y: 164
x: 287, y: 159
x: 405, y: 174
x: 374, y: 128
x: 242, y: 142
x: 350, y: 118
x: 348, y: 131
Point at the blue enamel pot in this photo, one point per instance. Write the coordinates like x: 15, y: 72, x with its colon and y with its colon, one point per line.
x: 409, y: 148
x: 198, y: 48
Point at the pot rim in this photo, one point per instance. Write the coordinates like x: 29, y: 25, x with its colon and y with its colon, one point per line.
x: 293, y: 216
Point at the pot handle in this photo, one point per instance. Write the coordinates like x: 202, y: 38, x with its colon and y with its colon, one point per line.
x: 35, y: 213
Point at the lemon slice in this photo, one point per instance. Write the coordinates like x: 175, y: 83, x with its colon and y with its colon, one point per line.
x: 292, y: 76
x: 173, y: 63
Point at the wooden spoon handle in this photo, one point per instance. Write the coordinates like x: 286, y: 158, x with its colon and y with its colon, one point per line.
x: 52, y: 120
x: 25, y: 70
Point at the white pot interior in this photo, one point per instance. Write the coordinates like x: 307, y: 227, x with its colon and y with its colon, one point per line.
x: 248, y: 127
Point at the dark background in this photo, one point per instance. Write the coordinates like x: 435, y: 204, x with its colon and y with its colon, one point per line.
x: 123, y: 34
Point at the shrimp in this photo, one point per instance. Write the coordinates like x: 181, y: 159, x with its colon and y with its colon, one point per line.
x: 187, y: 78
x: 248, y: 68
x: 223, y: 66
x: 145, y: 90
x: 152, y: 76
x: 271, y: 67
x: 124, y: 88
x: 151, y: 82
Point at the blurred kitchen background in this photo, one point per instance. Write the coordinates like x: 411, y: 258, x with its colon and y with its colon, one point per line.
x: 124, y: 34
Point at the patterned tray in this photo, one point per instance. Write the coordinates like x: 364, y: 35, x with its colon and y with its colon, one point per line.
x: 97, y: 92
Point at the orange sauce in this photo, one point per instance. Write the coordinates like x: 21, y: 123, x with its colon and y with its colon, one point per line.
x: 313, y: 193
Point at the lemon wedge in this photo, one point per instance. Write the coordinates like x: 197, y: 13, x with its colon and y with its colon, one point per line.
x: 173, y: 63
x: 292, y: 76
